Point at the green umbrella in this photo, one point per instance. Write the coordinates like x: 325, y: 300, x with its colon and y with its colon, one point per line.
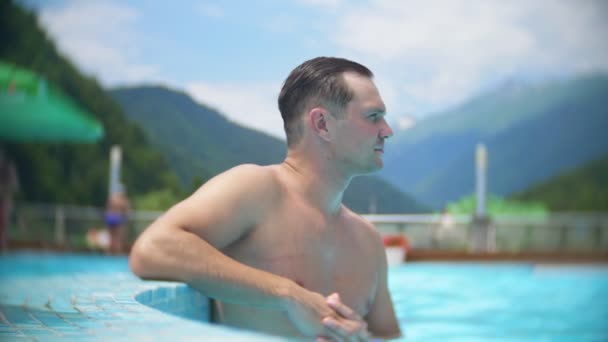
x: 31, y: 110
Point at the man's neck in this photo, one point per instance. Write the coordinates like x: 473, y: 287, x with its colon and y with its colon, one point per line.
x: 317, y: 181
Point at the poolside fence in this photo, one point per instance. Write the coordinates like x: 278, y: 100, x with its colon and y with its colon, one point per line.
x: 66, y: 226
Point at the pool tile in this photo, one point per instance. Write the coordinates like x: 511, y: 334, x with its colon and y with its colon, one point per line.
x: 49, y: 319
x: 16, y: 315
x: 90, y: 306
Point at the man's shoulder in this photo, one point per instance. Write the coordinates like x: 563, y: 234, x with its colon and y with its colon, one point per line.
x: 260, y: 173
x: 245, y: 188
x: 250, y: 168
x: 357, y: 221
x: 365, y: 232
x: 252, y: 178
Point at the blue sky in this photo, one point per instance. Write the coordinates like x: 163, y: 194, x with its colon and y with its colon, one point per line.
x: 234, y: 55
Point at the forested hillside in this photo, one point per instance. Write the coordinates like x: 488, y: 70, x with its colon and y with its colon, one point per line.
x: 74, y: 173
x: 581, y: 189
x: 197, y: 140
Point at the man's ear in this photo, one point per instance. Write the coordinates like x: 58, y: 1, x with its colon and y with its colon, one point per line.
x: 318, y: 121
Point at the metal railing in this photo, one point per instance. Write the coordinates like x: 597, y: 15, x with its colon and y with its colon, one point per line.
x: 556, y: 232
x: 66, y: 226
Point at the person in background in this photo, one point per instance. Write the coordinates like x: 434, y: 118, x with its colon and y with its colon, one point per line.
x: 116, y: 219
x: 9, y: 184
x: 273, y: 245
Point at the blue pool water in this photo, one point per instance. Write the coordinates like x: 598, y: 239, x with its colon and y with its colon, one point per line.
x: 501, y: 302
x: 50, y: 297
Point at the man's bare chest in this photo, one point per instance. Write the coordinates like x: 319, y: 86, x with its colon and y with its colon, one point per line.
x: 320, y: 258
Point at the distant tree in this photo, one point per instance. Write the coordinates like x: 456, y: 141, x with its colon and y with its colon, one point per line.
x: 498, y: 206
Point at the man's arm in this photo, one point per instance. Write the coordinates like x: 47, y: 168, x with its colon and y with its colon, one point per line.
x: 185, y: 245
x: 379, y: 324
x: 381, y: 319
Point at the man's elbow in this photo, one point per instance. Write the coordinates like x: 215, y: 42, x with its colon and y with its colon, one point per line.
x: 386, y: 334
x: 388, y: 337
x: 140, y: 259
x: 136, y: 264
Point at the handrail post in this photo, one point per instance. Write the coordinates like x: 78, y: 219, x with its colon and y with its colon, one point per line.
x: 59, y: 226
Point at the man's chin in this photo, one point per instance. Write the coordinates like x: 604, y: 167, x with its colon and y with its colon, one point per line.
x: 370, y: 169
x: 379, y: 164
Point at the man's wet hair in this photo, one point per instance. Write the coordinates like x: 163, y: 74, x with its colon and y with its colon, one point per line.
x: 316, y: 82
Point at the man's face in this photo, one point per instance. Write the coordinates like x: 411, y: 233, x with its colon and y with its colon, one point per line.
x: 359, y: 135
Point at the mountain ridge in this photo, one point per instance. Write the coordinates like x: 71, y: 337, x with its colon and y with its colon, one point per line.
x: 582, y: 189
x: 531, y: 134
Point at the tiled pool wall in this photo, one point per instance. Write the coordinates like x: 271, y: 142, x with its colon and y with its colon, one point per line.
x: 91, y: 298
x: 180, y: 300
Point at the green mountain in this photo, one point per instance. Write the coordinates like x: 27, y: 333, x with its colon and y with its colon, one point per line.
x: 372, y: 194
x: 532, y: 132
x: 198, y: 141
x: 201, y: 143
x: 74, y: 173
x: 582, y: 189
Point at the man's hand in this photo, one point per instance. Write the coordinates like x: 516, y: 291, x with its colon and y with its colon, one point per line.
x: 307, y: 310
x: 348, y: 326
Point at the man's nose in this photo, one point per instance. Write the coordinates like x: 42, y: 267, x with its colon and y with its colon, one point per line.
x: 386, y: 131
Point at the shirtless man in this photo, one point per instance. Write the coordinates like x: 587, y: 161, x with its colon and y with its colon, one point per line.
x: 274, y: 245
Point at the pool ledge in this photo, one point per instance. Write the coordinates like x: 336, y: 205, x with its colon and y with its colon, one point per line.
x: 116, y: 306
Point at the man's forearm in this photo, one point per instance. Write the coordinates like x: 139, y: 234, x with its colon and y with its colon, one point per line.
x: 374, y: 338
x: 183, y: 256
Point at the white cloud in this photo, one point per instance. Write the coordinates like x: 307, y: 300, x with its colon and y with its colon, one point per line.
x: 406, y: 122
x: 210, y: 10
x: 447, y: 49
x: 253, y: 105
x: 281, y: 23
x: 427, y: 55
x: 324, y: 4
x: 99, y: 36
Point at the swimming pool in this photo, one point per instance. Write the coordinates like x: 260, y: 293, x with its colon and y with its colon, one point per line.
x: 501, y: 302
x: 68, y: 297
x: 74, y: 297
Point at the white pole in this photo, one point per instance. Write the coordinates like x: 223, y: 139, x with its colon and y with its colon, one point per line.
x: 481, y: 164
x: 59, y: 226
x: 115, y: 160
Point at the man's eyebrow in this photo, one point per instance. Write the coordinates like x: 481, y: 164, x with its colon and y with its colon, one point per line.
x: 380, y: 111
